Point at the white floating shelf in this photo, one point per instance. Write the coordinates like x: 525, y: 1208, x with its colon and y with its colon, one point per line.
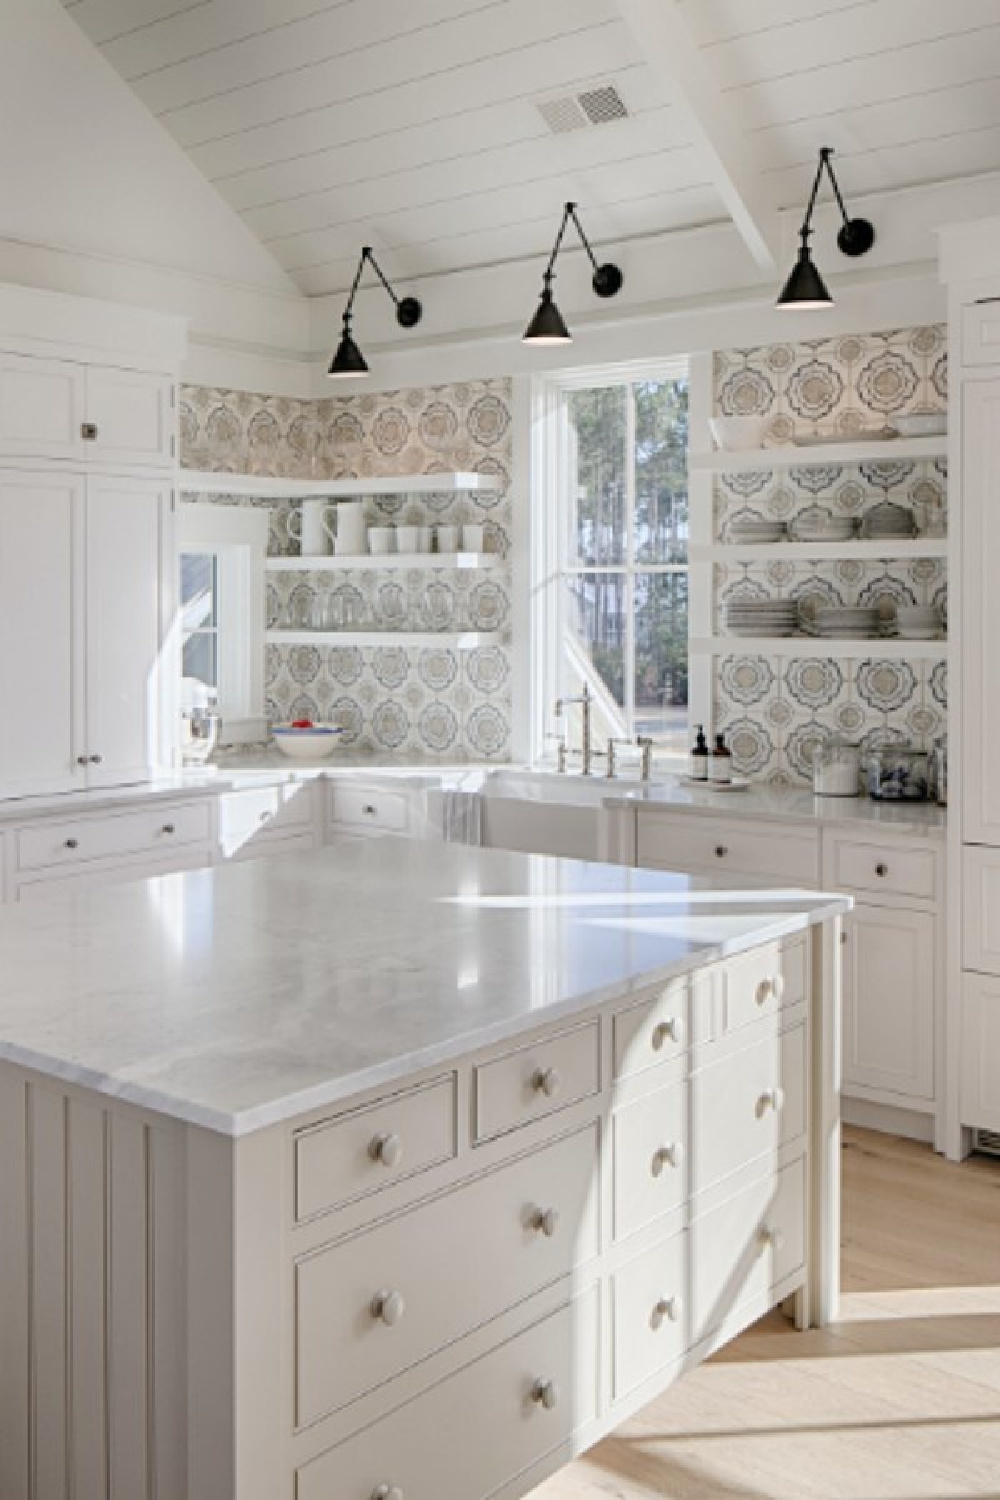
x: 817, y: 551
x: 819, y: 455
x: 813, y: 645
x: 455, y: 640
x: 266, y: 487
x: 400, y: 561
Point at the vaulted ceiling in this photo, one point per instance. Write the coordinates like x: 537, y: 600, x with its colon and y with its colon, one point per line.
x: 447, y: 133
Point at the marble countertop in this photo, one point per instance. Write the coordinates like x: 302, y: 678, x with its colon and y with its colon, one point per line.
x: 238, y: 997
x: 790, y: 804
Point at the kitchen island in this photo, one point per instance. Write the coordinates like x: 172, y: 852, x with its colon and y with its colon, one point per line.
x: 397, y: 1171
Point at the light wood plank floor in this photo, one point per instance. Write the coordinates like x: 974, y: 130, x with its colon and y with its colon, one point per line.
x: 899, y: 1401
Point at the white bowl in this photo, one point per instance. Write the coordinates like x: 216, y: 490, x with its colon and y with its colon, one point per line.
x: 307, y: 744
x: 735, y: 433
x: 921, y: 424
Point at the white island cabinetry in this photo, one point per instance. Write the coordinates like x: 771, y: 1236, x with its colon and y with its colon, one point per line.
x: 438, y: 1256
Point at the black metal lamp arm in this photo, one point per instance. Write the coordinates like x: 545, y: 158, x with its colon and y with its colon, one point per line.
x: 856, y: 236
x: 607, y: 279
x: 408, y: 309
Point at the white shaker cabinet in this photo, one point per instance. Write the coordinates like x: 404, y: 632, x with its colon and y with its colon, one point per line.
x: 888, y: 997
x: 980, y: 603
x: 99, y: 415
x: 132, y: 416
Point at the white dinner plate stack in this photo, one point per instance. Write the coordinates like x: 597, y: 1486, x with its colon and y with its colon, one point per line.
x: 819, y: 525
x: 887, y: 522
x: 761, y: 617
x: 919, y: 622
x: 756, y: 533
x: 852, y: 624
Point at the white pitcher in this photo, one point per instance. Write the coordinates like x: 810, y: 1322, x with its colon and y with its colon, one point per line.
x: 311, y: 528
x: 352, y: 536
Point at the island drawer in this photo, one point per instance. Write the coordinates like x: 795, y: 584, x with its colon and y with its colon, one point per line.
x: 762, y: 982
x: 155, y: 829
x: 658, y: 1029
x: 743, y: 1249
x: 747, y: 1106
x: 373, y: 1305
x: 368, y: 807
x: 536, y: 1080
x: 650, y: 1153
x: 651, y: 1313
x: 881, y: 869
x: 504, y: 1413
x: 369, y: 1149
x: 758, y: 850
x: 261, y: 814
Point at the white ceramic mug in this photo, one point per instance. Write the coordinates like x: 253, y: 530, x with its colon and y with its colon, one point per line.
x: 407, y: 538
x: 472, y: 538
x: 447, y: 538
x: 426, y: 538
x: 311, y: 528
x: 380, y: 540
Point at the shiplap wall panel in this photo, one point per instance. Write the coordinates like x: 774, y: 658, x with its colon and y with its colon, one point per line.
x: 14, y: 1329
x: 87, y: 1149
x: 47, y: 1291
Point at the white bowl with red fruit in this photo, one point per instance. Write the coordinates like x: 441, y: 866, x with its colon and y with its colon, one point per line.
x: 305, y: 739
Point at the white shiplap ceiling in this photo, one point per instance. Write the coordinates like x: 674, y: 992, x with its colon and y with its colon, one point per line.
x: 413, y: 125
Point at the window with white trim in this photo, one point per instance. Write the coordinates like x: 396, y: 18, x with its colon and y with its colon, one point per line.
x: 610, y: 554
x: 222, y: 551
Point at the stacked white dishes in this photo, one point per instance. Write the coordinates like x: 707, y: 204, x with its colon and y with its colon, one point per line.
x: 887, y: 521
x: 920, y: 622
x: 761, y: 617
x: 819, y: 525
x: 854, y: 624
x: 922, y: 424
x: 753, y: 532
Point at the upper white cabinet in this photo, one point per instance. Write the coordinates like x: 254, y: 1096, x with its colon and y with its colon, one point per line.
x: 95, y: 415
x: 980, y: 604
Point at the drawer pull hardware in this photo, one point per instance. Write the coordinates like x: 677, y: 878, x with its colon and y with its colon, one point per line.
x: 545, y: 1081
x: 265, y: 816
x: 369, y: 809
x: 668, y: 1156
x: 72, y: 843
x: 88, y: 431
x: 83, y: 760
x: 721, y: 851
x: 770, y: 987
x: 169, y: 828
x: 387, y: 1492
x: 545, y: 1393
x: 387, y: 1308
x: 771, y: 1099
x: 95, y: 760
x: 772, y: 1237
x: 387, y: 1149
x: 671, y: 1030
x: 668, y: 1308
x: 545, y: 1221
x: 881, y: 870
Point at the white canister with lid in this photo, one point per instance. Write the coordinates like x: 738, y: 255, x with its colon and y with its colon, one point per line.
x: 836, y: 768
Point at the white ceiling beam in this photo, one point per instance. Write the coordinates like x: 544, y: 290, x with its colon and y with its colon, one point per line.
x: 661, y: 33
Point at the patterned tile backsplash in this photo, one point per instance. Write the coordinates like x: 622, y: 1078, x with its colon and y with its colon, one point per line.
x: 391, y: 701
x: 774, y: 709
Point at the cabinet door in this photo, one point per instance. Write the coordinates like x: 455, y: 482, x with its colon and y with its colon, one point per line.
x: 125, y: 527
x: 41, y: 633
x: 889, y: 1001
x: 41, y: 408
x: 979, y: 601
x: 133, y: 413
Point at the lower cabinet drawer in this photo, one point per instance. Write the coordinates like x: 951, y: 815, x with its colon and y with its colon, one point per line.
x: 536, y: 1080
x: 369, y: 1149
x: 746, y: 1247
x: 259, y: 815
x: 659, y: 1029
x: 369, y: 807
x: 479, y: 1428
x: 762, y: 983
x: 881, y: 869
x: 651, y: 1313
x: 690, y: 842
x: 650, y: 1151
x: 153, y: 830
x: 747, y: 1106
x: 373, y: 1305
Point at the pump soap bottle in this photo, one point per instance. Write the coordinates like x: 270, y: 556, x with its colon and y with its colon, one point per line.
x: 721, y: 764
x: 699, y: 756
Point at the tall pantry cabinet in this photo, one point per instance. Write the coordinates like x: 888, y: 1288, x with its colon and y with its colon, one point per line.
x: 970, y: 261
x: 87, y: 593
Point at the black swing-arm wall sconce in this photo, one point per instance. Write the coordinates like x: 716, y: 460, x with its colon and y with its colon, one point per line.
x: 805, y: 287
x: 348, y: 360
x: 548, y: 326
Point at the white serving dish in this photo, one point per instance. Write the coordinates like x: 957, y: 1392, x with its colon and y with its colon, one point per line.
x: 307, y: 744
x: 922, y: 424
x: 734, y: 434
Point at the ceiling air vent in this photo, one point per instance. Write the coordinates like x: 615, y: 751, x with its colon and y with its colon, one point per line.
x: 597, y: 106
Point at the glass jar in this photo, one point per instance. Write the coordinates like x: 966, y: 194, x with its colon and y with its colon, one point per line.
x: 836, y: 768
x: 899, y: 773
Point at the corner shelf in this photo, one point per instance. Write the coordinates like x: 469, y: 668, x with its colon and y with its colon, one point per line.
x: 888, y: 647
x: 455, y: 640
x: 886, y: 550
x: 819, y: 455
x: 266, y: 487
x: 398, y: 561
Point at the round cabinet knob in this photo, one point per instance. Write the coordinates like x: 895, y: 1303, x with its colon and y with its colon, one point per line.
x: 771, y: 1099
x: 265, y: 816
x: 169, y: 828
x: 96, y: 760
x: 668, y: 1156
x: 387, y: 1149
x: 671, y: 1030
x: 721, y: 851
x: 388, y: 1308
x: 369, y: 809
x: 83, y: 760
x: 545, y: 1393
x: 881, y: 870
x: 546, y: 1221
x: 387, y: 1492
x: 771, y: 988
x: 545, y: 1081
x: 72, y: 843
x: 773, y: 1237
x: 669, y: 1308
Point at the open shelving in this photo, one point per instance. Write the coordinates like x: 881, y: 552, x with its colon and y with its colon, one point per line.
x: 889, y: 550
x: 266, y: 487
x: 819, y: 455
x: 387, y: 562
x: 455, y: 640
x: 886, y: 647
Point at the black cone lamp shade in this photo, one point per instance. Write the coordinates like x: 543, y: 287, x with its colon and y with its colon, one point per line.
x: 348, y: 362
x: 548, y: 325
x: 805, y: 288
